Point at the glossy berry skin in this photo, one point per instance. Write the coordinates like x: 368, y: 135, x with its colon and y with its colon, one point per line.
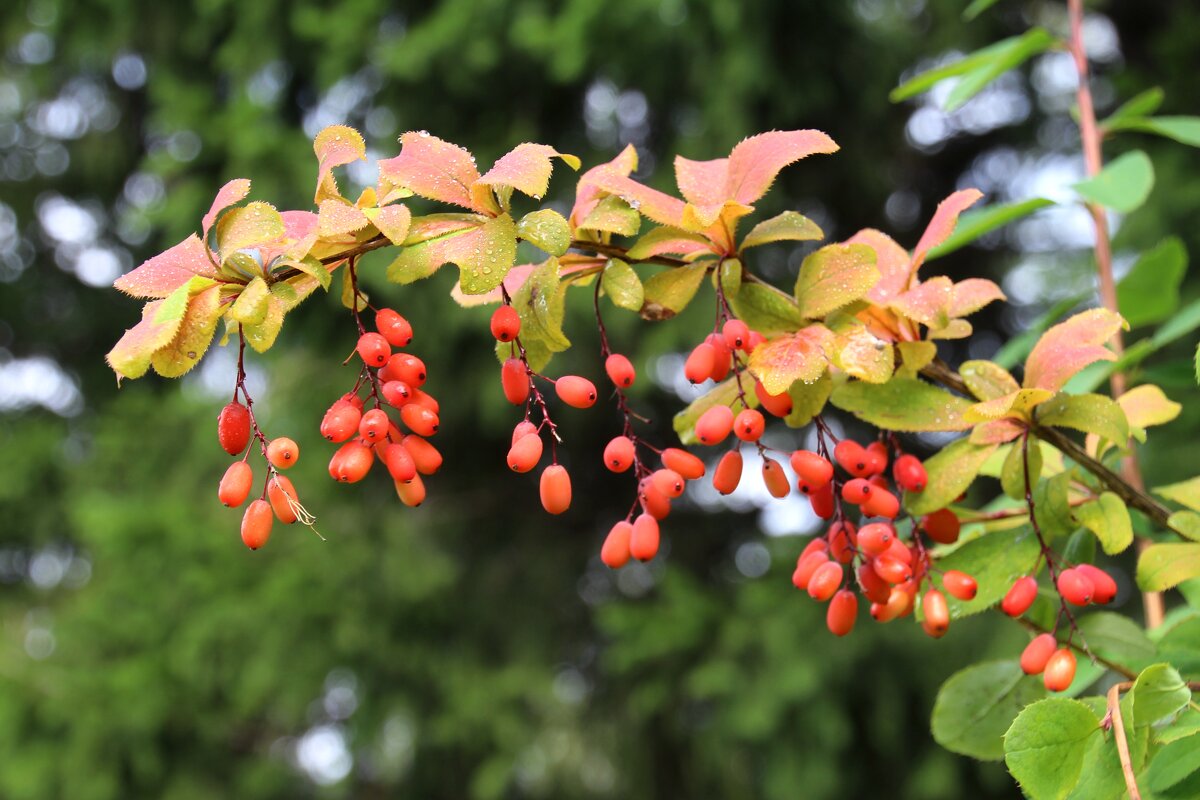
x: 235, y: 484
x: 806, y: 566
x: 373, y: 349
x: 960, y: 585
x: 619, y: 454
x: 748, y: 425
x: 506, y: 323
x: 857, y: 491
x: 811, y: 468
x: 411, y: 493
x: 279, y: 489
x: 419, y: 420
x: 910, y: 474
x: 283, y: 452
x: 843, y: 609
x: 644, y: 538
x: 875, y: 588
x: 525, y: 453
x: 822, y: 501
x: 407, y: 368
x: 775, y: 478
x: 700, y: 363
x: 233, y: 428
x: 620, y: 370
x: 825, y: 581
x: 351, y: 462
x: 881, y: 503
x: 736, y: 334
x: 876, y: 538
x: 393, y: 327
x: 877, y: 457
x: 615, y: 553
x: 1037, y: 653
x: 340, y: 422
x: 942, y: 526
x: 374, y: 425
x: 714, y: 425
x: 1075, y: 587
x: 555, y: 489
x: 728, y: 473
x: 815, y: 545
x: 669, y: 482
x: 654, y: 502
x: 398, y: 393
x: 1104, y: 588
x: 937, y: 613
x: 1020, y: 596
x: 257, y: 523
x: 399, y: 462
x: 523, y: 427
x: 853, y: 458
x: 843, y: 538
x: 575, y: 391
x: 779, y: 405
x: 722, y: 356
x: 514, y: 381
x: 424, y: 455
x: 1060, y: 670
x: 687, y: 465
x: 891, y: 569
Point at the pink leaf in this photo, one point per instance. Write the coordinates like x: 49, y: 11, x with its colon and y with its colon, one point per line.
x: 434, y: 169
x: 167, y: 271
x: 588, y: 194
x: 338, y: 217
x: 997, y: 431
x: 792, y: 357
x: 653, y: 204
x: 973, y: 294
x: 754, y: 162
x: 943, y: 222
x: 702, y: 183
x: 1070, y: 346
x: 890, y: 259
x: 928, y: 303
x: 299, y: 235
x: 484, y: 252
x: 231, y: 193
x: 526, y: 168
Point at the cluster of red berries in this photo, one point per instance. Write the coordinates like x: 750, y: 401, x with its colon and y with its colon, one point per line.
x: 716, y: 355
x: 392, y: 379
x: 1078, y: 586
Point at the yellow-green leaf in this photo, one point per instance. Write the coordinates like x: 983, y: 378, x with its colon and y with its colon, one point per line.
x: 250, y: 307
x: 1186, y: 524
x: 766, y: 309
x: 251, y: 225
x: 723, y: 394
x: 1162, y: 566
x: 1108, y: 518
x: 808, y: 400
x: 161, y: 320
x: 1016, y: 405
x: 902, y: 404
x: 788, y: 226
x: 392, y: 221
x: 914, y: 357
x: 1012, y: 474
x: 1090, y: 413
x: 546, y: 229
x: 613, y: 215
x: 859, y: 354
x: 669, y: 292
x: 539, y: 301
x: 1186, y: 493
x: 484, y: 249
x: 622, y: 285
x: 986, y: 380
x: 1146, y: 406
x: 835, y: 276
x: 951, y: 472
x: 195, y: 334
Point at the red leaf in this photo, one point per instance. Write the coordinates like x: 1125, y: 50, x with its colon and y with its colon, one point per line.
x: 943, y: 222
x: 1070, y: 346
x: 890, y: 259
x: 754, y: 162
x: 798, y: 356
x: 167, y: 271
x: 434, y: 169
x: 526, y: 168
x: 653, y: 204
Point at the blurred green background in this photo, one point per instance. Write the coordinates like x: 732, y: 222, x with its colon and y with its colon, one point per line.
x: 475, y: 648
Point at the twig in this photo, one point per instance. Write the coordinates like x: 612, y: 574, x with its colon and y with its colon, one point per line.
x: 1118, y: 727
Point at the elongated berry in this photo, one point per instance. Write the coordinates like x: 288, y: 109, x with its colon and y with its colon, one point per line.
x: 775, y: 478
x: 814, y: 470
x: 619, y: 454
x: 653, y: 501
x: 257, y: 523
x: 399, y: 462
x: 736, y: 333
x: 506, y: 323
x: 1075, y: 587
x: 960, y: 585
x: 235, y: 484
x: 575, y: 391
x: 523, y: 427
x: 856, y: 491
x: 340, y: 422
x: 373, y: 349
x: 910, y: 473
x: 351, y: 462
x: 620, y: 370
x: 942, y: 526
x: 822, y: 501
x: 283, y: 452
x: 700, y: 362
x: 408, y: 368
x: 687, y: 465
x: 397, y: 393
x: 1060, y: 670
x: 722, y: 356
x: 1104, y: 588
x: 374, y: 425
x: 892, y: 570
x: 411, y: 493
x: 233, y: 428
x: 843, y: 538
x: 669, y: 482
x: 615, y: 553
x: 899, y: 550
x: 876, y: 589
x: 555, y: 489
x: 881, y: 503
x: 877, y: 457
x: 1020, y: 596
x: 876, y: 538
x: 756, y: 339
x: 515, y: 381
x: 644, y: 538
x: 525, y: 453
x: 825, y: 580
x: 779, y: 405
x: 815, y: 544
x: 714, y: 425
x: 393, y: 327
x: 937, y: 613
x: 806, y: 565
x: 279, y: 491
x: 853, y: 458
x: 419, y: 420
x: 748, y: 425
x: 425, y: 400
x: 425, y: 455
x: 728, y: 473
x: 843, y: 609
x: 1037, y: 653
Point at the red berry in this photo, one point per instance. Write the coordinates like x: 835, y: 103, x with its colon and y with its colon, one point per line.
x: 779, y: 405
x: 843, y: 609
x: 1104, y: 588
x: 616, y: 553
x: 825, y: 580
x: 876, y: 538
x: 910, y: 473
x: 419, y: 420
x: 756, y: 339
x: 374, y: 425
x: 687, y: 465
x: 842, y: 541
x: 748, y: 425
x: 398, y: 393
x: 1060, y: 670
x: 736, y: 334
x: 728, y: 473
x: 714, y: 425
x: 881, y: 503
x: 351, y: 462
x: 1075, y: 587
x: 960, y: 585
x: 775, y: 478
x: 654, y: 502
x: 619, y: 454
x: 399, y: 462
x: 806, y: 566
x: 575, y: 391
x: 815, y: 545
x: 233, y: 428
x: 523, y: 427
x: 555, y: 489
x: 857, y: 491
x: 700, y: 363
x: 669, y: 482
x: 1037, y: 653
x: 373, y: 349
x: 283, y: 452
x: 408, y: 368
x: 942, y: 526
x: 644, y: 538
x: 811, y: 468
x: 424, y: 455
x: 937, y: 613
x: 876, y: 589
x: 235, y: 484
x: 853, y: 458
x: 282, y: 495
x: 620, y: 370
x: 877, y: 457
x: 822, y: 501
x: 257, y: 523
x: 340, y: 422
x: 721, y: 356
x: 526, y: 452
x: 393, y: 327
x: 411, y: 493
x: 515, y: 381
x: 1020, y: 596
x: 891, y: 569
x: 506, y: 323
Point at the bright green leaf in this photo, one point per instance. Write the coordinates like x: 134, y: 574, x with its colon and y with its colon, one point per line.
x: 986, y: 380
x: 1045, y: 746
x: 1123, y: 185
x: 723, y: 394
x: 1090, y: 413
x: 1185, y: 130
x: 1174, y: 762
x: 950, y: 472
x: 1186, y: 493
x: 1186, y: 524
x: 546, y: 229
x: 766, y: 309
x: 1016, y: 52
x: 995, y: 560
x: 1139, y: 105
x: 808, y: 400
x: 539, y: 302
x: 1158, y: 693
x: 1117, y: 638
x: 993, y: 54
x: 483, y: 248
x: 1108, y: 518
x: 195, y: 333
x: 251, y: 225
x: 903, y: 404
x: 978, y: 704
x: 622, y: 285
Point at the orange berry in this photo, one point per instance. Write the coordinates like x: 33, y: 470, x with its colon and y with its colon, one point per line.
x: 853, y: 458
x: 644, y: 538
x: 373, y: 349
x: 399, y: 462
x: 615, y: 552
x: 669, y: 482
x: 779, y: 405
x: 619, y: 454
x: 877, y: 457
x: 514, y: 381
x: 283, y: 452
x: 749, y: 424
x: 233, y: 428
x: 408, y: 368
x: 411, y: 493
x: 687, y: 465
x: 842, y: 541
x: 714, y: 425
x: 960, y: 585
x: 235, y: 484
x: 874, y: 587
x: 279, y: 489
x: 426, y: 400
x: 526, y: 452
x: 374, y: 425
x: 620, y: 370
x: 575, y: 391
x: 736, y: 333
x: 1037, y: 653
x: 881, y: 503
x: 942, y: 526
x: 506, y: 323
x: 806, y: 566
x: 876, y: 538
x: 397, y: 393
x: 937, y: 613
x: 811, y: 468
x: 424, y: 455
x: 256, y: 524
x: 1075, y: 587
x: 700, y: 363
x: 891, y: 569
x: 825, y: 580
x: 420, y: 420
x: 523, y: 427
x: 843, y: 609
x: 340, y: 422
x: 393, y: 327
x: 1020, y: 596
x: 555, y: 489
x: 822, y: 501
x: 856, y: 491
x: 815, y: 545
x: 1104, y: 588
x: 653, y: 501
x: 1060, y: 670
x: 728, y: 473
x: 351, y: 462
x: 775, y: 478
x: 756, y: 339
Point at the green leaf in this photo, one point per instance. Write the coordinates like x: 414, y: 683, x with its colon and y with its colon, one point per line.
x: 1045, y: 746
x: 250, y: 307
x: 483, y: 248
x: 1012, y: 475
x: 251, y: 225
x: 1014, y: 54
x: 903, y: 404
x: 766, y: 309
x: 729, y: 277
x: 1162, y: 566
x: 1150, y: 292
x: 788, y: 226
x: 622, y: 285
x: 1185, y: 130
x: 1186, y: 524
x: 799, y: 356
x: 1101, y: 777
x: 669, y: 292
x: 1186, y: 493
x: 808, y: 400
x: 986, y: 380
x: 1139, y: 105
x: 1108, y: 518
x: 973, y: 224
x: 539, y: 302
x: 1090, y: 413
x: 195, y: 334
x: 1174, y: 762
x: 1180, y: 647
x: 723, y: 394
x: 666, y: 240
x: 1186, y: 724
x: 914, y: 357
x: 1158, y: 693
x: 980, y: 59
x: 950, y: 472
x: 994, y: 560
x: 976, y: 8
x: 1118, y: 639
x: 613, y: 215
x: 835, y: 276
x: 1052, y: 508
x: 546, y: 229
x: 1123, y: 185
x: 978, y: 704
